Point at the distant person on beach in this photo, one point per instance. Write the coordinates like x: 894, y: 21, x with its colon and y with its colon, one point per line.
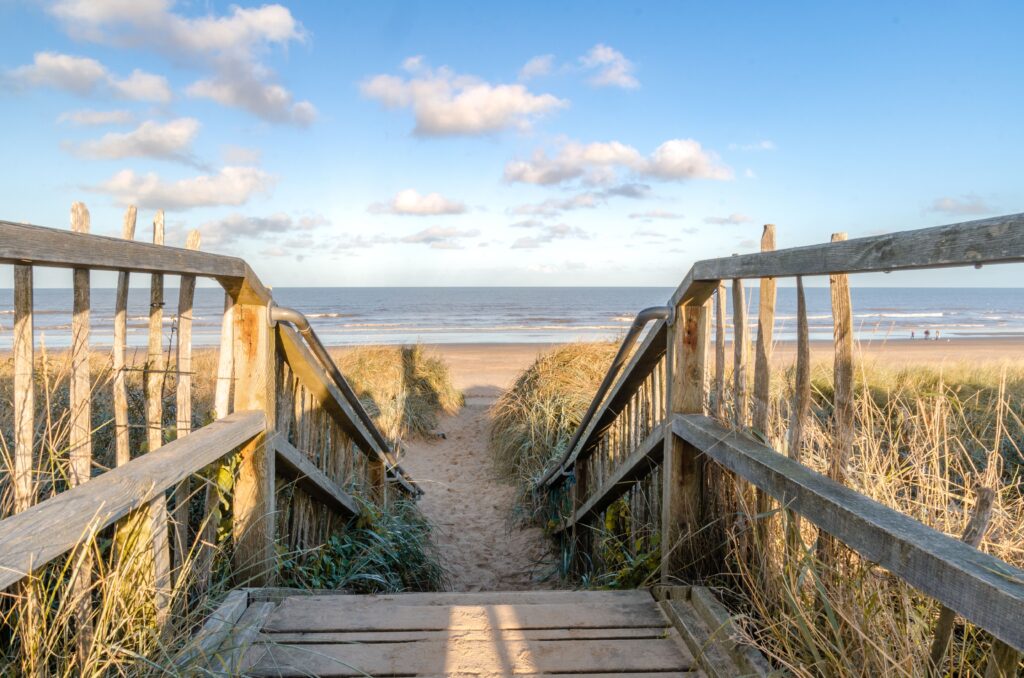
x: 911, y: 334
x: 936, y: 335
x: 926, y: 333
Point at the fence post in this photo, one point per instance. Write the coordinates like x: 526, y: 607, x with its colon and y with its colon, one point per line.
x: 682, y: 473
x: 254, y: 356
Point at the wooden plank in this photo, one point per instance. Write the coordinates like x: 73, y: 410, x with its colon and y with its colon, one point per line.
x: 639, y: 367
x: 24, y: 391
x: 497, y: 656
x: 985, y: 241
x: 801, y: 412
x: 701, y: 640
x: 295, y: 615
x: 253, y: 526
x: 982, y: 588
x: 739, y: 347
x: 720, y: 351
x: 121, y: 431
x: 155, y: 376
x: 183, y: 402
x: 682, y: 470
x: 80, y: 433
x: 214, y: 630
x: 24, y: 244
x: 750, y: 660
x: 312, y: 480
x: 68, y: 516
x: 301, y: 597
x: 335, y: 637
x: 762, y: 382
x: 231, y: 657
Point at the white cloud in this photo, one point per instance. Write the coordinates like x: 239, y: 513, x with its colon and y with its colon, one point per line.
x: 236, y: 227
x: 548, y: 234
x: 536, y: 67
x: 440, y: 238
x: 612, y: 68
x: 965, y: 204
x: 230, y: 45
x: 411, y: 202
x: 732, y: 219
x: 763, y: 145
x: 445, y: 103
x: 88, y: 77
x: 241, y: 155
x: 600, y: 162
x: 170, y: 141
x: 229, y: 186
x: 655, y: 214
x: 90, y: 118
x: 586, y: 200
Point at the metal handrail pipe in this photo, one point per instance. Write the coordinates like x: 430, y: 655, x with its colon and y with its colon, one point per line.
x: 632, y: 334
x: 301, y: 323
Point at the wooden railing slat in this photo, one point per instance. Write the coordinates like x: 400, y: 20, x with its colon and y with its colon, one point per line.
x: 68, y: 517
x: 739, y: 348
x: 312, y: 480
x: 981, y: 587
x: 24, y: 391
x: 121, y: 431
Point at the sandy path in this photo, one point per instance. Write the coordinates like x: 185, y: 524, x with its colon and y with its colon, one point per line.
x: 468, y: 506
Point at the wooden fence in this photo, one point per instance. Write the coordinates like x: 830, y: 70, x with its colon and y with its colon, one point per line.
x: 660, y: 438
x: 293, y: 453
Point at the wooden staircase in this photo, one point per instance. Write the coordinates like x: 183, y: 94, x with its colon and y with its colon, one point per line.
x: 677, y: 631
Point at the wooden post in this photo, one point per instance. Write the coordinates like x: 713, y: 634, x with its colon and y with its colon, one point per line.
x: 739, y: 367
x: 762, y: 378
x: 254, y: 519
x: 221, y: 408
x: 183, y: 409
x: 720, y: 352
x: 80, y: 433
x: 1003, y: 661
x: 121, y: 431
x: 972, y: 535
x: 155, y: 375
x: 842, y: 415
x: 29, y: 624
x: 682, y: 472
x: 801, y: 409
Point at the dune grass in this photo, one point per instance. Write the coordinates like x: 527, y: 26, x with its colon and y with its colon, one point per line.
x: 384, y: 550
x: 534, y: 420
x: 926, y: 437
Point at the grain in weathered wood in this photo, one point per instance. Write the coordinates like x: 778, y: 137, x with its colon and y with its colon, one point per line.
x: 121, y: 433
x: 383, y: 636
x: 720, y: 351
x: 750, y: 660
x: 292, y: 462
x: 24, y: 243
x: 494, y: 657
x: 682, y: 471
x: 183, y: 402
x: 707, y: 650
x: 80, y: 432
x: 842, y: 411
x: 68, y: 516
x: 297, y: 614
x: 975, y: 530
x: 762, y: 380
x: 24, y: 390
x: 1003, y: 661
x: 739, y: 345
x: 980, y: 587
x: 253, y: 357
x: 231, y: 659
x: 324, y: 599
x: 985, y: 241
x: 801, y: 411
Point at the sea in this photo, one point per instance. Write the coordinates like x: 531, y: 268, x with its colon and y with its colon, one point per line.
x: 446, y: 315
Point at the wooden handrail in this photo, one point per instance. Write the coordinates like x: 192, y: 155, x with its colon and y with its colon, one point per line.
x: 34, y: 537
x: 981, y: 587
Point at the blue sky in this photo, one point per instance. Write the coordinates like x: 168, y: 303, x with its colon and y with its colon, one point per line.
x: 511, y: 144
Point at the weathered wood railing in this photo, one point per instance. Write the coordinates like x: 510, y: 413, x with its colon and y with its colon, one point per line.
x: 651, y: 435
x: 305, y: 454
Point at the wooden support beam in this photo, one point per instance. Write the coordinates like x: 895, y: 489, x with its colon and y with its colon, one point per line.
x: 740, y: 353
x: 762, y: 382
x: 984, y: 589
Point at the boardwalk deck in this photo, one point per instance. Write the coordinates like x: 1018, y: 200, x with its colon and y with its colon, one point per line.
x: 522, y: 633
